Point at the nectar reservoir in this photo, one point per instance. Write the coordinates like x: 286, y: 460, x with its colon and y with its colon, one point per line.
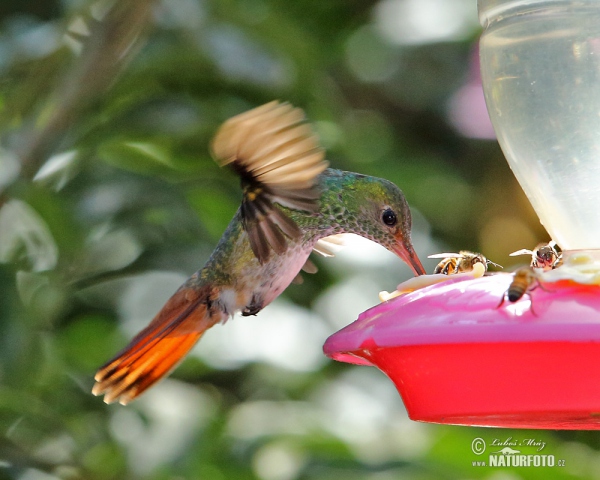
x: 540, y: 65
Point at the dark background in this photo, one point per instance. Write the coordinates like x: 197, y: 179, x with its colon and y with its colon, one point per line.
x: 110, y: 199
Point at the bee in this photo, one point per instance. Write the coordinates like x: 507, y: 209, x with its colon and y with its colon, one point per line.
x: 461, y: 262
x: 525, y: 280
x: 546, y: 256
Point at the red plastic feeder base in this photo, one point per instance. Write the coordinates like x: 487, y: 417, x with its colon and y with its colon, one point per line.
x: 457, y: 359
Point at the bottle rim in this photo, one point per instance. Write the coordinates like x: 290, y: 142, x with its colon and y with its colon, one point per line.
x: 492, y: 11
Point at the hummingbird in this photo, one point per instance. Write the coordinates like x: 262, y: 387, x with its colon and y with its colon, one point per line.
x: 292, y: 203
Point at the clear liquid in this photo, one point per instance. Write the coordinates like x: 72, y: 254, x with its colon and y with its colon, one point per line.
x: 541, y: 76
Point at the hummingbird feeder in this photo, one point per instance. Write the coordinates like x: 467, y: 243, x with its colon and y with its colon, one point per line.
x: 456, y: 354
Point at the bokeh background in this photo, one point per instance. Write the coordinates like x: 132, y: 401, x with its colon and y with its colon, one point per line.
x: 109, y: 200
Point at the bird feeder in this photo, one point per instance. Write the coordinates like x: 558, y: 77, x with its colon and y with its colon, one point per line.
x: 455, y: 354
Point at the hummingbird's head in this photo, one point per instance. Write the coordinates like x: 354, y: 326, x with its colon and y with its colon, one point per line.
x: 376, y: 209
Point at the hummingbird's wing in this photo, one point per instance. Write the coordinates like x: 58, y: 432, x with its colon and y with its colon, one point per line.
x: 278, y: 158
x: 157, y: 349
x: 308, y: 267
x: 330, y: 245
x: 327, y: 247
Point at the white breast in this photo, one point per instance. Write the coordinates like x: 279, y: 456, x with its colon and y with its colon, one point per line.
x: 272, y: 278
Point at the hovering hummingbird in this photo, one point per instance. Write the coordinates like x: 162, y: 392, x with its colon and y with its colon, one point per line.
x: 291, y: 202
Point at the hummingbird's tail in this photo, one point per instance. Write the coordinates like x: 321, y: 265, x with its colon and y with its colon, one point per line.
x: 157, y: 349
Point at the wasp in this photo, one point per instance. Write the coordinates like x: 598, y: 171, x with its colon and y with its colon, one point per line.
x: 461, y: 262
x: 546, y: 256
x: 525, y: 280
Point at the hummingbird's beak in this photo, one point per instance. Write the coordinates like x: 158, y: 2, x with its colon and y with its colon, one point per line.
x: 404, y: 249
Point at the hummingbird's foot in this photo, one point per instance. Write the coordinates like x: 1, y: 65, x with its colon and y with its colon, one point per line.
x: 255, y: 306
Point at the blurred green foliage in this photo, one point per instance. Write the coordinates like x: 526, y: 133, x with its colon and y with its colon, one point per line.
x: 109, y: 198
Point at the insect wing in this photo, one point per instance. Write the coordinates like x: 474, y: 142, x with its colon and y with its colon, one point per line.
x: 446, y: 255
x: 523, y: 251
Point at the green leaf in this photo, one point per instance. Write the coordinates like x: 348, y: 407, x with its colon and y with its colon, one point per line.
x: 25, y: 235
x: 137, y: 156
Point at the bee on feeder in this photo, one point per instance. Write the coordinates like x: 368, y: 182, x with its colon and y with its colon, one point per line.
x: 461, y: 262
x: 525, y: 280
x: 470, y: 264
x: 546, y: 256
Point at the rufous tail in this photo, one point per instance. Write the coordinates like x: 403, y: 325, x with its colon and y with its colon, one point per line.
x: 157, y: 349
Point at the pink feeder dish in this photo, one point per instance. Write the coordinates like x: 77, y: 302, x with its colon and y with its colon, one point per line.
x: 456, y: 358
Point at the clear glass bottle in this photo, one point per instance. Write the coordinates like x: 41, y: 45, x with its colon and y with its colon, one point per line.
x: 540, y: 65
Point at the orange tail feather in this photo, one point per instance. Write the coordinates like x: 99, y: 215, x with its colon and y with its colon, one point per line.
x: 157, y: 349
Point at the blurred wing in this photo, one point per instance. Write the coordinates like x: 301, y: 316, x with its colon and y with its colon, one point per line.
x: 524, y: 251
x: 446, y: 255
x: 278, y: 158
x: 326, y: 246
x: 309, y: 267
x: 329, y: 246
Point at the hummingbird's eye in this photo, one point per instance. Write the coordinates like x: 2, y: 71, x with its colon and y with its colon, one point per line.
x: 389, y: 217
